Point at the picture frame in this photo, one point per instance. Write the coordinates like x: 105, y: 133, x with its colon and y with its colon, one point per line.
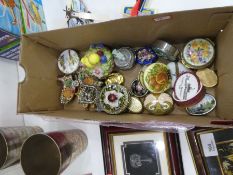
x: 140, y: 153
x: 195, y: 150
x: 105, y: 131
x: 216, y: 147
x: 172, y: 148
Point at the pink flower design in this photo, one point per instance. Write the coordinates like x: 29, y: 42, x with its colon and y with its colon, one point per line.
x: 98, y: 72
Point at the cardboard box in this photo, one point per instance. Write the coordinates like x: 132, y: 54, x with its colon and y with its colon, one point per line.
x: 10, y: 29
x: 33, y: 16
x: 40, y: 92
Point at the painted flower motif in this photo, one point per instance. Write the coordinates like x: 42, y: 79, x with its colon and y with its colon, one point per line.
x: 98, y: 72
x: 205, y: 53
x: 112, y: 98
x: 194, y: 58
x: 204, y: 45
x: 195, y: 45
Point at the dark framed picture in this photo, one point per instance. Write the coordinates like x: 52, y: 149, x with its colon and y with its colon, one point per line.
x: 216, y: 147
x: 132, y: 152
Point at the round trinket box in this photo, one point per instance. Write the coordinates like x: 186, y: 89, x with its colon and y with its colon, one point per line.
x: 159, y: 104
x: 114, y: 99
x: 165, y: 50
x: 176, y: 69
x: 157, y: 78
x: 137, y: 89
x: 188, y: 90
x: 68, y: 61
x: 115, y: 78
x: 207, y: 77
x: 198, y: 53
x: 145, y: 56
x: 97, y: 61
x: 135, y: 105
x: 124, y: 58
x: 205, y: 106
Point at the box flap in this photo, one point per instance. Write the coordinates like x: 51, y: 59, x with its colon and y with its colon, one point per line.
x: 224, y: 65
x: 39, y: 91
x: 144, y: 30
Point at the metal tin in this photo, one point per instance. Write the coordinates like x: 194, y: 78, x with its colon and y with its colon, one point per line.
x: 165, y: 50
x: 157, y: 78
x: 145, y: 56
x: 124, y: 58
x: 68, y: 61
x: 207, y: 77
x: 11, y: 140
x: 87, y: 94
x: 137, y: 89
x: 51, y: 153
x: 114, y: 99
x: 188, y: 90
x: 176, y: 69
x: 205, y: 106
x: 198, y: 53
x: 115, y: 78
x: 97, y: 61
x: 159, y: 104
x: 135, y: 105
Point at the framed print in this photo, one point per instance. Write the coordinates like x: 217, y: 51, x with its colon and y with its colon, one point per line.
x: 140, y: 153
x: 188, y: 162
x: 195, y: 150
x: 216, y: 147
x: 105, y: 132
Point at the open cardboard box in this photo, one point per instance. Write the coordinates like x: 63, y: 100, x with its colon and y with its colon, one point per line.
x: 39, y: 93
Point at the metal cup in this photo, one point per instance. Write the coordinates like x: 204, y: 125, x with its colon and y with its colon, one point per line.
x: 51, y: 153
x: 11, y: 141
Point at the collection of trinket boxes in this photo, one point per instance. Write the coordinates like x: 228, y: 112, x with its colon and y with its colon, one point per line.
x: 167, y: 77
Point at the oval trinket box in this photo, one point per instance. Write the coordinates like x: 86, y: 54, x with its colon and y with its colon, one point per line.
x: 157, y: 78
x: 207, y: 77
x: 137, y: 89
x: 188, y: 90
x: 114, y: 99
x: 124, y: 58
x: 141, y: 76
x: 135, y: 105
x: 205, y: 106
x: 198, y: 53
x: 145, y: 56
x: 68, y: 61
x: 158, y: 104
